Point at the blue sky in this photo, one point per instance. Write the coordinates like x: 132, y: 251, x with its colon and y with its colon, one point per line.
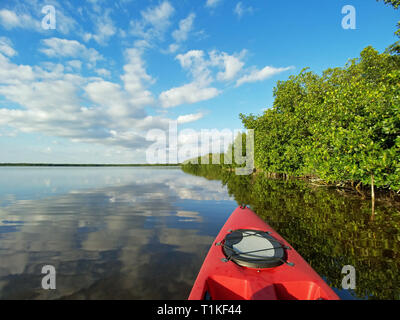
x: 90, y: 90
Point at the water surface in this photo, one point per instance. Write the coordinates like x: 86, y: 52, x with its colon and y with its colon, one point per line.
x: 110, y: 233
x: 143, y: 233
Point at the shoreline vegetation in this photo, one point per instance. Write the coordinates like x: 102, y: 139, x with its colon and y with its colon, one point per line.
x: 339, y: 129
x: 86, y: 165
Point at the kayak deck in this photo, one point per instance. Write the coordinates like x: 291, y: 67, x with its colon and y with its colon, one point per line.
x: 221, y: 278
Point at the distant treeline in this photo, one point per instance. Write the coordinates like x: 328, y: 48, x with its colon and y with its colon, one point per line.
x: 84, y: 165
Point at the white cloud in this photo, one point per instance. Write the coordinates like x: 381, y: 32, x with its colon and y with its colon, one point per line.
x: 198, y: 66
x: 154, y: 23
x: 232, y: 64
x: 181, y: 34
x: 142, y: 44
x: 213, y: 3
x: 173, y: 47
x: 189, y: 93
x: 189, y: 118
x: 62, y: 47
x: 112, y: 99
x: 11, y: 73
x: 136, y: 78
x: 56, y: 98
x: 185, y: 26
x: 52, y: 104
x: 6, y: 47
x: 87, y: 36
x: 64, y: 24
x: 199, y: 89
x: 158, y: 16
x: 75, y: 64
x: 43, y: 96
x: 56, y: 47
x: 22, y: 18
x: 241, y: 10
x: 10, y: 20
x: 105, y: 31
x: 103, y: 72
x: 190, y: 58
x: 50, y: 71
x: 260, y: 75
x: 104, y: 27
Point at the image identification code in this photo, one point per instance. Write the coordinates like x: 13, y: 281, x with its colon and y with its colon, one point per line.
x: 205, y: 309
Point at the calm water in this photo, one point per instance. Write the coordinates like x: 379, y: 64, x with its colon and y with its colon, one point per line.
x: 142, y: 233
x: 111, y: 233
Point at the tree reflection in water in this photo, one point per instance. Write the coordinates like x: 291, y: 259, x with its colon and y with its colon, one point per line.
x: 328, y: 228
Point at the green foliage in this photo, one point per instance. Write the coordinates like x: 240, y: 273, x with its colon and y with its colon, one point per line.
x: 341, y: 126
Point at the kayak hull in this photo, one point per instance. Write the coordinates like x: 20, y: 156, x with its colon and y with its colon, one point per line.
x: 220, y: 279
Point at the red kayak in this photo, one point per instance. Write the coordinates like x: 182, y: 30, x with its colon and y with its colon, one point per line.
x: 250, y: 261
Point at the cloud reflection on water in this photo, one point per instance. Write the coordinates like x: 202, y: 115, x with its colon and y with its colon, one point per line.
x: 129, y: 233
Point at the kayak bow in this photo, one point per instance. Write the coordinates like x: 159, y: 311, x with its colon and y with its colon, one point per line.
x: 250, y: 261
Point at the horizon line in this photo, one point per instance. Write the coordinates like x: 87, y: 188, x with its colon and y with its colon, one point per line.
x: 85, y: 164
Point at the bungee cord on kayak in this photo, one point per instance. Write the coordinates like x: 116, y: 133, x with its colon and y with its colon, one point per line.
x: 250, y: 261
x: 254, y: 249
x: 253, y: 233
